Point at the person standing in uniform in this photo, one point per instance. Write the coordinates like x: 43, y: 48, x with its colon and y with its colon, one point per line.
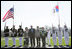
x: 14, y: 34
x: 6, y: 34
x: 32, y: 36
x: 54, y: 37
x: 26, y: 38
x: 43, y: 34
x: 66, y: 35
x: 48, y: 35
x: 60, y: 36
x: 20, y: 34
x: 37, y: 35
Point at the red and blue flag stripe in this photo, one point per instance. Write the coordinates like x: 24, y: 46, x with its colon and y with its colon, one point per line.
x: 57, y: 8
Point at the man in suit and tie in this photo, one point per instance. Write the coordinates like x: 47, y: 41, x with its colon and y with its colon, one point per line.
x: 32, y: 36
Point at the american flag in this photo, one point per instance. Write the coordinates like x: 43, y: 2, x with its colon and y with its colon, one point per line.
x: 9, y: 14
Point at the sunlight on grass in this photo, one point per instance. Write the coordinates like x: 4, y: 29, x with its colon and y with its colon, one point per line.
x: 17, y: 41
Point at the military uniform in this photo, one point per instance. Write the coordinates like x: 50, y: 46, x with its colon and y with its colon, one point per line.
x: 54, y: 36
x: 59, y: 36
x: 13, y: 35
x: 48, y: 35
x: 14, y: 32
x: 66, y: 35
x: 6, y: 34
x: 20, y: 34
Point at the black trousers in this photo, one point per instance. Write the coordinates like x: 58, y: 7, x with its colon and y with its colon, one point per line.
x: 32, y: 41
x: 26, y: 41
x: 43, y: 41
x: 38, y: 41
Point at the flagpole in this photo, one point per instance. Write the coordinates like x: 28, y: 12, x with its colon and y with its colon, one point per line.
x: 59, y: 19
x: 13, y: 18
x: 53, y: 15
x: 13, y: 22
x: 58, y: 14
x: 5, y: 26
x: 21, y: 24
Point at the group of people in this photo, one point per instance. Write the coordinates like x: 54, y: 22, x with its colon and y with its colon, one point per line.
x: 37, y: 34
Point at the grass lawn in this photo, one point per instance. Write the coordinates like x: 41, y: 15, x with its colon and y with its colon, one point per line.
x: 17, y: 41
x: 63, y: 41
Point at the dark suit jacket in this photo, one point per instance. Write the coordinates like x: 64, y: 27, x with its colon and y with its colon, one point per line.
x: 31, y: 34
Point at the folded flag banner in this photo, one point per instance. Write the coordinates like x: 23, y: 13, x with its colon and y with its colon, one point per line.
x: 9, y: 14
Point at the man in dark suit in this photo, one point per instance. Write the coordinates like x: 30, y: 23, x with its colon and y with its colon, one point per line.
x: 32, y: 36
